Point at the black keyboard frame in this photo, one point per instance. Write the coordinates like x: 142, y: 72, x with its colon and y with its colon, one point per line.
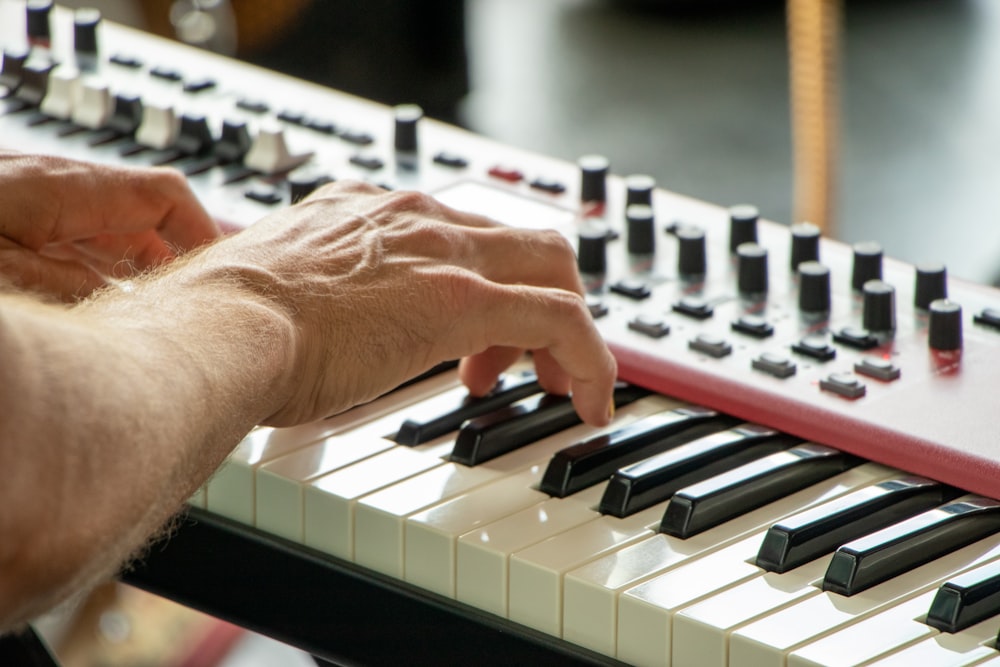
x: 330, y: 608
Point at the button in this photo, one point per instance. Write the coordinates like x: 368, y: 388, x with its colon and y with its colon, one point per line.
x: 198, y: 85
x: 694, y: 306
x: 290, y: 116
x: 990, y: 317
x: 548, y: 185
x: 253, y: 106
x: 451, y: 160
x: 123, y: 60
x: 320, y: 125
x: 165, y: 73
x: 357, y: 138
x: 633, y: 289
x: 368, y: 162
x: 651, y: 326
x: 815, y: 347
x: 753, y: 325
x: 597, y: 308
x: 263, y: 193
x: 774, y: 364
x: 711, y: 345
x: 843, y: 384
x: 855, y: 337
x: 509, y: 174
x: 878, y: 368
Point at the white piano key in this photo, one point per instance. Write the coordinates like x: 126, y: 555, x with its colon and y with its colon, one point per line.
x: 380, y: 518
x: 702, y: 630
x: 280, y: 483
x: 769, y: 640
x: 230, y: 491
x: 590, y: 593
x: 329, y: 500
x: 874, y: 638
x: 482, y: 555
x: 646, y: 611
x: 973, y: 646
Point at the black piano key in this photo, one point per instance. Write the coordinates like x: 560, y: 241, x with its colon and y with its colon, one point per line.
x: 594, y: 460
x: 868, y: 561
x: 511, y: 388
x: 530, y: 419
x: 655, y: 479
x: 718, y: 499
x: 966, y: 599
x: 808, y: 535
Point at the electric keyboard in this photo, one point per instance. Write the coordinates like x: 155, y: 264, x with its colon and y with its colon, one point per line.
x: 800, y: 470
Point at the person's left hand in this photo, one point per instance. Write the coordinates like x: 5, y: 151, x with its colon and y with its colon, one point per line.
x: 69, y: 227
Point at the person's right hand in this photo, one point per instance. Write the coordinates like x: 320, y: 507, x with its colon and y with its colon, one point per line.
x: 381, y: 286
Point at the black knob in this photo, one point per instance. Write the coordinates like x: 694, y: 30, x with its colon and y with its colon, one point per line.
x: 303, y: 181
x: 814, y: 288
x: 752, y: 269
x: 742, y: 225
x: 641, y: 229
x: 591, y: 255
x: 407, y: 118
x: 931, y: 285
x: 593, y: 178
x: 878, y: 312
x: 805, y: 243
x: 691, y: 261
x: 85, y: 22
x: 867, y: 263
x: 233, y: 143
x: 944, y: 330
x: 194, y: 137
x: 639, y: 190
x: 37, y: 13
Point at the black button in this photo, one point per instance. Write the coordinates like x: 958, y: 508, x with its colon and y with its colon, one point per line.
x: 774, y: 364
x: 166, y: 73
x: 123, y: 60
x: 451, y: 160
x: 651, y: 326
x: 815, y: 347
x: 694, y: 306
x: 253, y: 106
x: 356, y: 137
x: 370, y: 163
x: 843, y: 384
x: 713, y: 346
x: 293, y: 117
x: 880, y: 369
x: 548, y: 185
x: 859, y: 339
x: 263, y: 193
x: 320, y: 125
x: 753, y: 325
x: 198, y: 85
x: 633, y: 289
x: 990, y: 317
x: 597, y: 308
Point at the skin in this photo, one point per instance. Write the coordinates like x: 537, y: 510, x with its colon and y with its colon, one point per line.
x: 139, y: 347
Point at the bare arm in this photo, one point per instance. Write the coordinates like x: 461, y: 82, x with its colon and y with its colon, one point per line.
x: 309, y: 312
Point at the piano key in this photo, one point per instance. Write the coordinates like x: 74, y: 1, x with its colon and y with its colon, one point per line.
x: 590, y: 592
x: 482, y: 554
x: 512, y: 387
x: 329, y: 500
x: 728, y: 495
x: 486, y: 437
x: 380, y: 518
x: 230, y: 491
x: 594, y: 460
x: 966, y: 599
x: 872, y: 559
x: 656, y: 478
x: 768, y: 640
x: 972, y: 646
x: 810, y: 534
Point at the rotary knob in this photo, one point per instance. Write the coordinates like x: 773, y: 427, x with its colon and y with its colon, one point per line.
x: 37, y: 14
x: 814, y: 288
x: 85, y: 22
x: 878, y: 313
x: 931, y: 285
x: 691, y: 263
x: 593, y: 178
x: 407, y: 118
x: 742, y: 225
x: 867, y: 264
x: 591, y: 255
x: 641, y: 229
x: 805, y: 243
x: 944, y: 328
x: 752, y: 270
x: 639, y: 190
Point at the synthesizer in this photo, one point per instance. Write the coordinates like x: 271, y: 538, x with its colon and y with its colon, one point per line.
x: 751, y: 351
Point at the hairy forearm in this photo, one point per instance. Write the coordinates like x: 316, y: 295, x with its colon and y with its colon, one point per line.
x: 187, y: 366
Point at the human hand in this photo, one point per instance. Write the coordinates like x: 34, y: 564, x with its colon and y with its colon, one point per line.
x: 68, y: 227
x: 382, y: 286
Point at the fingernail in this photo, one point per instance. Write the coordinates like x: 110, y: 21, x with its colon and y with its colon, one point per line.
x: 611, y: 409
